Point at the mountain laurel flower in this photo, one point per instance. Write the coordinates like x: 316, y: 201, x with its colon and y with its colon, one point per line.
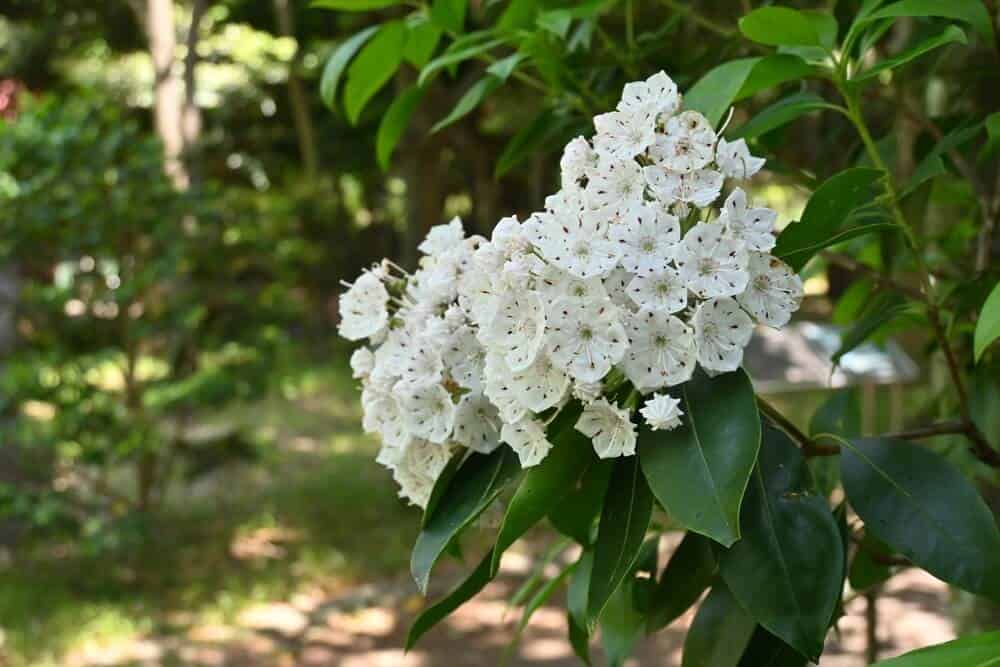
x: 597, y: 293
x: 662, y: 412
x: 712, y: 263
x: 527, y: 438
x: 609, y: 428
x: 774, y: 291
x: 734, y: 159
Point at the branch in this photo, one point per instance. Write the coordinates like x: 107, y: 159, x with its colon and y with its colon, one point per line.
x: 810, y: 448
x: 854, y: 266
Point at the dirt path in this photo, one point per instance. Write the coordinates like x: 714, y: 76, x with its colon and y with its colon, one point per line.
x: 367, y: 627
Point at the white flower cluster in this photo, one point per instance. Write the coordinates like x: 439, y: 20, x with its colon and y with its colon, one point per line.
x: 627, y: 280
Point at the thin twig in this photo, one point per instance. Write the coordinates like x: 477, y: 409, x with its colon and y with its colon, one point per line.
x: 810, y: 448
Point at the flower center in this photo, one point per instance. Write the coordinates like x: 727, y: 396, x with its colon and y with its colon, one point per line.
x: 586, y: 333
x: 707, y: 266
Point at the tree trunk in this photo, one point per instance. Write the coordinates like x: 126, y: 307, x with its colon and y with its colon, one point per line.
x: 191, y: 113
x: 168, y: 94
x: 297, y: 97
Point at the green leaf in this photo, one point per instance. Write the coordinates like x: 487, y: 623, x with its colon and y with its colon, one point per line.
x: 519, y: 14
x: 544, y: 486
x: 453, y: 56
x: 394, y: 123
x: 920, y: 505
x: 984, y: 401
x: 788, y: 568
x: 772, y: 71
x: 972, y: 12
x: 766, y: 650
x: 422, y: 38
x: 440, y: 610
x: 699, y: 471
x: 951, y: 34
x: 441, y: 485
x: 472, y: 98
x: 503, y: 68
x: 974, y: 651
x: 839, y: 414
x: 932, y: 164
x: 449, y: 14
x: 688, y: 573
x: 478, y: 482
x: 714, y: 93
x: 885, y: 307
x: 826, y: 212
x: 627, y: 509
x: 866, y: 568
x: 719, y: 633
x: 779, y: 26
x: 338, y: 62
x: 781, y: 113
x: 576, y: 606
x: 622, y: 624
x: 373, y: 67
x: 988, y: 324
x: 574, y: 517
x: 353, y: 5
x: 993, y: 135
x: 579, y: 640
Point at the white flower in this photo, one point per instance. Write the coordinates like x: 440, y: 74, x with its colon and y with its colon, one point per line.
x: 578, y: 161
x: 721, y: 331
x: 540, y: 386
x: 362, y: 363
x: 427, y: 410
x: 622, y: 135
x: 422, y: 363
x: 382, y: 415
x: 422, y: 462
x: 662, y: 412
x: 614, y: 188
x: 656, y: 96
x: 711, y: 263
x: 477, y: 424
x: 735, y: 161
x: 363, y: 310
x: 518, y: 328
x: 587, y: 392
x: 584, y: 249
x: 689, y: 143
x: 586, y: 339
x: 647, y: 237
x: 660, y: 291
x: 616, y: 287
x: 527, y: 438
x: 700, y: 187
x: 479, y: 294
x: 754, y: 226
x: 661, y: 351
x: 555, y: 284
x: 609, y: 427
x: 499, y: 389
x: 774, y: 291
x: 464, y: 358
x: 441, y: 238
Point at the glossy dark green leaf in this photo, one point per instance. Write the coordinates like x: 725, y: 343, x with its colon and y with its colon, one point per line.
x: 576, y: 606
x: 714, y: 93
x: 972, y: 12
x: 950, y: 35
x: 579, y: 640
x: 574, y: 517
x: 394, y: 124
x: 373, y: 67
x: 474, y: 487
x: 699, y: 471
x: 441, y: 485
x: 772, y: 71
x: 628, y: 507
x: 766, y: 650
x: 541, y: 596
x: 781, y: 113
x: 984, y: 401
x: 338, y: 62
x: 779, y: 26
x: 688, y: 574
x: 464, y: 592
x: 868, y: 566
x: 449, y: 14
x: 826, y: 212
x: 974, y: 651
x: 787, y: 570
x: 720, y: 631
x: 916, y: 502
x: 546, y: 485
x: 840, y: 414
x: 622, y: 624
x: 422, y: 37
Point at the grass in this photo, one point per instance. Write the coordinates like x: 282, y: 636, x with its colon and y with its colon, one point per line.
x: 316, y: 511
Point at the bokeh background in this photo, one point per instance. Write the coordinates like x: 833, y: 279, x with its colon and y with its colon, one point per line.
x: 183, y: 476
